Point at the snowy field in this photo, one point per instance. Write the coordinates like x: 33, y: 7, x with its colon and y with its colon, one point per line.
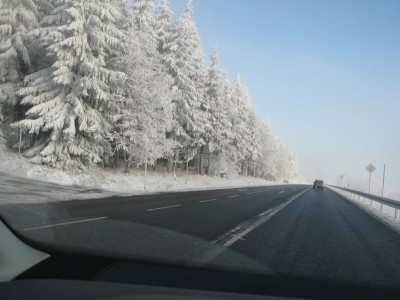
x: 384, y: 213
x: 23, y: 182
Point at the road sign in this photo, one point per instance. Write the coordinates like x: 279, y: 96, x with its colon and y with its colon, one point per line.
x: 370, y: 168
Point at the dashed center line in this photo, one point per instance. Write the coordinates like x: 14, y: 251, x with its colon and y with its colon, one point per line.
x: 209, y: 200
x: 65, y: 223
x: 233, y: 196
x: 256, y: 192
x: 165, y: 207
x: 281, y: 192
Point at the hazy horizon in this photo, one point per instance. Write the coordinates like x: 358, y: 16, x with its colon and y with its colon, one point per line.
x: 326, y: 74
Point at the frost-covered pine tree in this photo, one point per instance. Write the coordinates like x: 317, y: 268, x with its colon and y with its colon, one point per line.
x: 143, y: 12
x: 245, y: 127
x: 145, y: 114
x: 186, y: 66
x: 70, y: 99
x: 217, y: 98
x: 226, y: 162
x: 2, y: 137
x: 240, y: 101
x: 215, y: 134
x: 254, y: 141
x: 268, y: 167
x: 275, y: 161
x: 164, y: 26
x: 17, y: 19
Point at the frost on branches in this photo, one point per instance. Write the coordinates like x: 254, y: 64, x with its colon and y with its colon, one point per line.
x: 223, y: 160
x: 71, y: 98
x: 187, y: 68
x: 17, y: 19
x: 145, y: 108
x: 275, y: 162
x: 101, y: 82
x: 164, y: 27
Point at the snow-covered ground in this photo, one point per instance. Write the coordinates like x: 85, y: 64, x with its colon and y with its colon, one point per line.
x: 22, y: 181
x: 384, y: 213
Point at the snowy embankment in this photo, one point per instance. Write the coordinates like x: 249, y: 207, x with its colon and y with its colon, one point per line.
x: 384, y: 213
x: 17, y: 182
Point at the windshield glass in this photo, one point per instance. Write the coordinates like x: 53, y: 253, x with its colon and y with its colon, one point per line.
x: 190, y: 132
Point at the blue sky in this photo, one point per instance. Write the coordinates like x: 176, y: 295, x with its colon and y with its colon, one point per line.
x: 327, y: 74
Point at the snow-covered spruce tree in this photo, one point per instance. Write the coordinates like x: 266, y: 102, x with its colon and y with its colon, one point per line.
x: 267, y: 163
x: 164, y: 27
x: 145, y: 113
x: 143, y: 15
x: 70, y: 100
x: 275, y: 161
x: 17, y: 19
x: 254, y: 143
x: 240, y: 118
x: 2, y: 137
x: 216, y: 133
x: 286, y: 162
x: 229, y: 157
x: 187, y: 68
x: 217, y: 99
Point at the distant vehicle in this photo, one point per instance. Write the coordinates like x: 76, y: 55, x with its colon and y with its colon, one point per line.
x: 318, y: 184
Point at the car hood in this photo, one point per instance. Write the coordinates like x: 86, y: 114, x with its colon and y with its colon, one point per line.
x: 124, y: 240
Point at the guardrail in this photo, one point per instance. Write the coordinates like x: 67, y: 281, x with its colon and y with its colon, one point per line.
x: 372, y: 198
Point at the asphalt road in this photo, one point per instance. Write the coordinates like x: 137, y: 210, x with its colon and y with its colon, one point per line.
x: 289, y: 229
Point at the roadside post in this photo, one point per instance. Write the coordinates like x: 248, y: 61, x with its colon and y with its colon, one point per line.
x: 370, y: 168
x: 383, y: 181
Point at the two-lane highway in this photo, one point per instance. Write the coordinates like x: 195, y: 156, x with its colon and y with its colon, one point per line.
x: 288, y: 229
x: 203, y: 214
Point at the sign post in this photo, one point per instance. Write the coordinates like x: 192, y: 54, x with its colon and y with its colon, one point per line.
x: 383, y: 182
x: 370, y: 168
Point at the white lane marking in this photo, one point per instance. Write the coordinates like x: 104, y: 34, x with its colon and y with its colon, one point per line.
x: 233, y: 196
x: 256, y: 192
x: 265, y: 212
x: 242, y: 190
x: 226, y: 234
x: 228, y: 239
x: 295, y: 196
x: 239, y: 236
x: 281, y: 192
x: 165, y: 207
x: 209, y: 200
x: 65, y: 223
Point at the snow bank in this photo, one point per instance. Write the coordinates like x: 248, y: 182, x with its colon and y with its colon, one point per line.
x: 19, y: 179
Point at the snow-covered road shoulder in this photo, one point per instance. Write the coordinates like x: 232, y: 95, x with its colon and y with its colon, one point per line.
x: 23, y: 182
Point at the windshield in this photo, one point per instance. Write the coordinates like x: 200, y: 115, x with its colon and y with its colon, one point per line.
x: 190, y: 132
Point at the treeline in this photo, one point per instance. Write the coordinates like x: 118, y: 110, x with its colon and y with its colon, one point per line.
x: 110, y: 83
